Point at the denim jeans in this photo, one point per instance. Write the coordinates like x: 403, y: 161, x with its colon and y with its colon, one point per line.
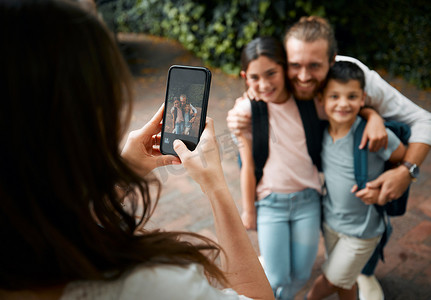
x: 179, y: 128
x: 288, y: 227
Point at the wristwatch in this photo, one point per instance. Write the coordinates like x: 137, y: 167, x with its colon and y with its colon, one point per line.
x: 413, y: 169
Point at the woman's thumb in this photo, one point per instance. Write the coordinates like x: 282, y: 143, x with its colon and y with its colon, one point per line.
x: 180, y: 148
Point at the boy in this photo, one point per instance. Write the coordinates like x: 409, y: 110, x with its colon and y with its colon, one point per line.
x: 351, y: 228
x: 188, y: 115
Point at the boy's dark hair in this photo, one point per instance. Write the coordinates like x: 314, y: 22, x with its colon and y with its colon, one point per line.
x: 344, y: 71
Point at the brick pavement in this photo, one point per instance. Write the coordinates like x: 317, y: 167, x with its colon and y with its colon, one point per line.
x: 406, y: 274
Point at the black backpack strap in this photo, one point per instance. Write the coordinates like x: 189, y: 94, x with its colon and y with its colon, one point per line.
x: 313, y: 128
x: 398, y: 207
x: 260, y: 132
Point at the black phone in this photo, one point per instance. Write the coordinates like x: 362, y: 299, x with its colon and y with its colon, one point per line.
x: 186, y: 103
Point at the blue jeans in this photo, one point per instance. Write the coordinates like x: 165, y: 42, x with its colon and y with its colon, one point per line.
x: 179, y: 128
x: 288, y: 227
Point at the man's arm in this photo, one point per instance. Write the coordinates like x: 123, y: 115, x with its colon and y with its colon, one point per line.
x: 394, y: 182
x: 391, y: 104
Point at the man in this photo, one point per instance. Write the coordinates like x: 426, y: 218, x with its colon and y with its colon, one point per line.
x: 311, y: 50
x: 183, y: 100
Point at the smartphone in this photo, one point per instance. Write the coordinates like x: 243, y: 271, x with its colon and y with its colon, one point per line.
x: 186, y: 103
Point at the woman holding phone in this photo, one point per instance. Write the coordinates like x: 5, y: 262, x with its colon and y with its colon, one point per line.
x: 65, y: 233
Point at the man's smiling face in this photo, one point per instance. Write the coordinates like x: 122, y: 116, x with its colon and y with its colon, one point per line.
x: 308, y: 64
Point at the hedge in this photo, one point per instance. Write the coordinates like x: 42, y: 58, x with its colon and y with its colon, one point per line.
x: 395, y: 35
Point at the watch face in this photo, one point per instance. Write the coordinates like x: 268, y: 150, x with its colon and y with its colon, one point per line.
x: 414, y: 171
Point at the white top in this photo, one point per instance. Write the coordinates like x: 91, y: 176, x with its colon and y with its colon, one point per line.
x: 152, y: 283
x: 393, y: 105
x: 289, y: 167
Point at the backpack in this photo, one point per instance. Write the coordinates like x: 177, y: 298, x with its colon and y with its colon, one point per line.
x: 396, y: 207
x: 314, y: 128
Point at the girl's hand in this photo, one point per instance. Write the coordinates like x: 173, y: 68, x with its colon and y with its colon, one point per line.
x: 203, y: 164
x: 249, y: 220
x: 142, y: 148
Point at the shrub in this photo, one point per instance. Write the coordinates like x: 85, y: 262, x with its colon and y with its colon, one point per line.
x: 394, y: 35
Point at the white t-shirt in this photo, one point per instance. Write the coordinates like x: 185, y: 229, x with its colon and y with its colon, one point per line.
x: 393, y: 105
x: 152, y: 283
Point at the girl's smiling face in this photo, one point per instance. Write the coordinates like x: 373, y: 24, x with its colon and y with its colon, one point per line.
x: 267, y: 79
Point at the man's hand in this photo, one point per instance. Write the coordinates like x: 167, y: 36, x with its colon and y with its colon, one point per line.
x: 392, y: 183
x: 374, y: 132
x: 237, y: 121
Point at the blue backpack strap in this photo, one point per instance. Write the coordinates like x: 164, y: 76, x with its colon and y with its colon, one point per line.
x: 401, y: 130
x: 260, y: 132
x: 313, y: 128
x: 393, y: 208
x: 360, y: 156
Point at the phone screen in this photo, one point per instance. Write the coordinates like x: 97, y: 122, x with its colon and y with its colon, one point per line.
x: 186, y: 103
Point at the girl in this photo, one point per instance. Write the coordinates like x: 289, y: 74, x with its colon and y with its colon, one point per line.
x: 284, y: 205
x: 177, y: 117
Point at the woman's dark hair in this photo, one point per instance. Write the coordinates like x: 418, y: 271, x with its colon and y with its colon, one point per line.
x: 65, y: 106
x: 267, y: 46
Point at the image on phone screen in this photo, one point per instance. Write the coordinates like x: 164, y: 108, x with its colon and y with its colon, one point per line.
x: 185, y: 106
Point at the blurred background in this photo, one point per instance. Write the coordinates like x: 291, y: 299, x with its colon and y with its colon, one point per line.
x: 391, y: 34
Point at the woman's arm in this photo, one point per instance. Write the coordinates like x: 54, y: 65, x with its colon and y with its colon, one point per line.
x: 248, y: 183
x: 239, y: 260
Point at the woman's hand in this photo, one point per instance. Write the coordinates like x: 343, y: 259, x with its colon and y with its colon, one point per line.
x: 142, y: 148
x: 203, y: 164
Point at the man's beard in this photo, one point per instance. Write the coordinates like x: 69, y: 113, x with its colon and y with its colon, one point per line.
x: 305, y: 95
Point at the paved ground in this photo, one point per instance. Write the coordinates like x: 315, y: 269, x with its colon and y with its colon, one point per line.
x: 407, y: 271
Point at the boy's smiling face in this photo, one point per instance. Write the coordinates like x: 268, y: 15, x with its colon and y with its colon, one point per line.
x: 342, y: 101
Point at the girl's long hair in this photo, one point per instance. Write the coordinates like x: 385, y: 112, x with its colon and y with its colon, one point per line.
x: 65, y: 105
x: 266, y: 46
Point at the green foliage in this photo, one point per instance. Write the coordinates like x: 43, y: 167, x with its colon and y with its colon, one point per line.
x: 390, y: 34
x: 215, y: 31
x: 393, y: 34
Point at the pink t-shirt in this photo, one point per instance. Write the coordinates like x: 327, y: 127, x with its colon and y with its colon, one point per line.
x: 289, y: 167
